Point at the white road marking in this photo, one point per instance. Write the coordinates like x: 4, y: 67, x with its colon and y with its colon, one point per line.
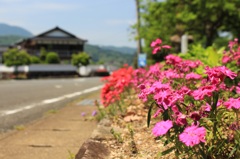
x: 58, y: 86
x: 48, y: 101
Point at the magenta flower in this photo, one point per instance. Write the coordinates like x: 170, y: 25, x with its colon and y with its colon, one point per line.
x: 158, y: 112
x: 217, y: 74
x: 166, y: 47
x: 173, y: 59
x: 171, y: 74
x: 193, y: 135
x: 232, y: 43
x: 238, y: 89
x: 181, y: 119
x: 232, y: 103
x: 156, y: 42
x: 162, y: 127
x: 166, y: 98
x: 225, y: 59
x: 156, y: 45
x: 193, y: 76
x: 156, y: 49
x: 201, y: 92
x: 228, y: 72
x: 206, y: 107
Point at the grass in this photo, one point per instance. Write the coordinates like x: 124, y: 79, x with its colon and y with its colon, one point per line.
x: 19, y: 127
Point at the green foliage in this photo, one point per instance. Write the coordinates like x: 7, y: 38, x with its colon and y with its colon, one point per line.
x: 15, y: 57
x: 108, y: 56
x: 209, y: 56
x: 117, y: 136
x: 35, y: 60
x: 201, y: 19
x: 80, y: 59
x: 43, y: 54
x: 52, y: 58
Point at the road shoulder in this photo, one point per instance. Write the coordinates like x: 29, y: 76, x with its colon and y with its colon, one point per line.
x: 58, y: 134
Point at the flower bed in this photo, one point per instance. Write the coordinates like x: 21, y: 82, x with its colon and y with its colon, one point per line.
x: 194, y: 107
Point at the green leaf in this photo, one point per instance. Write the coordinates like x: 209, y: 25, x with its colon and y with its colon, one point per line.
x: 213, y: 57
x: 167, y: 151
x: 149, y: 114
x: 232, y: 152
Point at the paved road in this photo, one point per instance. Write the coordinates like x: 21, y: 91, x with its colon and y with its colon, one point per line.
x: 24, y: 100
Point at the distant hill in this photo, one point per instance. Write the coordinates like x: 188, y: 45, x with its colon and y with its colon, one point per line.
x: 6, y: 30
x: 102, y: 54
x: 126, y: 50
x: 10, y: 39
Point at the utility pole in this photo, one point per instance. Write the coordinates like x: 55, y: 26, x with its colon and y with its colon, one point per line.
x: 139, y: 43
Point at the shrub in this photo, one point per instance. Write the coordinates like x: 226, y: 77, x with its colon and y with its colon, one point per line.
x: 52, y: 58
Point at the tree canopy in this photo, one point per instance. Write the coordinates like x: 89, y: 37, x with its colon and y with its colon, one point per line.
x: 202, y: 19
x: 52, y: 58
x: 80, y: 59
x: 15, y: 57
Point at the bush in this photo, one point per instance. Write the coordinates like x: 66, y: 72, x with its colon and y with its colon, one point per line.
x: 80, y: 59
x: 52, y: 58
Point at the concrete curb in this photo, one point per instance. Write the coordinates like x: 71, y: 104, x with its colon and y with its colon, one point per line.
x: 94, y: 148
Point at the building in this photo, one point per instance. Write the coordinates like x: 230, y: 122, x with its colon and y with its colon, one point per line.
x: 54, y: 40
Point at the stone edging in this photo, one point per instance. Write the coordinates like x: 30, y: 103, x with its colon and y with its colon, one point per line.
x: 94, y: 148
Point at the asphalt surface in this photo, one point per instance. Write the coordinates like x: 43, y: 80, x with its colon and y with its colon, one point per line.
x: 56, y: 135
x: 22, y: 101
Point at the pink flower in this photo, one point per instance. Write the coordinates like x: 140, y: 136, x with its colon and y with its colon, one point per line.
x: 226, y: 59
x: 171, y: 74
x: 206, y: 107
x: 156, y: 45
x: 164, y: 97
x: 193, y: 76
x: 232, y: 103
x: 166, y: 47
x: 232, y: 43
x: 193, y: 135
x: 228, y: 72
x: 203, y: 91
x: 156, y: 49
x: 217, y: 74
x: 238, y: 89
x: 156, y: 42
x: 162, y: 127
x: 158, y: 112
x: 173, y: 59
x: 181, y: 119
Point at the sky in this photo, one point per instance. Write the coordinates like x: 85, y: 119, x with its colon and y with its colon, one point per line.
x: 101, y: 22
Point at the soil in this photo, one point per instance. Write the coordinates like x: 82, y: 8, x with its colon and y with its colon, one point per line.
x: 135, y: 139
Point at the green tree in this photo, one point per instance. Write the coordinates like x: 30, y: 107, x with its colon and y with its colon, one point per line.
x: 43, y: 54
x: 202, y: 19
x: 52, y: 58
x: 80, y: 59
x: 35, y: 60
x: 16, y: 58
